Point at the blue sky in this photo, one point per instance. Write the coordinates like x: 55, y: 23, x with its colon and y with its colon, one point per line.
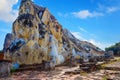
x: 96, y: 21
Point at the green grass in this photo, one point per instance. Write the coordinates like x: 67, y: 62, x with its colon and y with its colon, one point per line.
x: 105, y: 77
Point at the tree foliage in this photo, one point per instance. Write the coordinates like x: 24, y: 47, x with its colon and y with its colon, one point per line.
x: 115, y: 48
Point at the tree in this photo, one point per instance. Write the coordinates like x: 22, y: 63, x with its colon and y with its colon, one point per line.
x: 1, y: 51
x: 115, y: 48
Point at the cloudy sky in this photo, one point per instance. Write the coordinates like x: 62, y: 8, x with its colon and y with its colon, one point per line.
x: 96, y: 21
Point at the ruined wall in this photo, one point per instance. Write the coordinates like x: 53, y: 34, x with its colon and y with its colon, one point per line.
x: 38, y: 37
x: 41, y: 33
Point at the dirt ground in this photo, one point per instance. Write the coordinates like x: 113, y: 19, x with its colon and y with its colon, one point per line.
x: 65, y: 73
x: 68, y: 73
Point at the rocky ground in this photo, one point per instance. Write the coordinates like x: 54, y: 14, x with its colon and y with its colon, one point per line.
x: 110, y: 72
x: 68, y: 73
x: 61, y: 75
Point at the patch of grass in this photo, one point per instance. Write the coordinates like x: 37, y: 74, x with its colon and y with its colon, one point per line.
x: 105, y: 77
x: 83, y: 73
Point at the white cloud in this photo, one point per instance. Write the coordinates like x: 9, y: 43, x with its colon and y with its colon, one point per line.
x: 112, y: 9
x: 63, y: 15
x: 101, y: 10
x: 99, y: 44
x: 83, y: 14
x: 102, y: 45
x: 108, y: 9
x: 82, y: 29
x: 7, y: 13
x: 78, y: 35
